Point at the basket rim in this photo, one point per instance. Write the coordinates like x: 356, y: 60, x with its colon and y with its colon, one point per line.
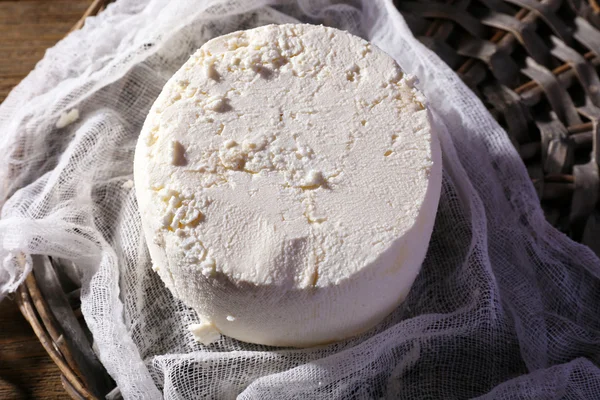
x: 37, y: 313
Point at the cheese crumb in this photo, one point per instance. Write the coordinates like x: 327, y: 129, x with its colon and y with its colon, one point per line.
x: 158, y: 239
x: 205, y: 332
x: 67, y: 118
x: 230, y: 318
x: 217, y: 103
x: 211, y: 71
x: 228, y: 144
x: 208, y: 267
x: 312, y: 180
x: 177, y: 153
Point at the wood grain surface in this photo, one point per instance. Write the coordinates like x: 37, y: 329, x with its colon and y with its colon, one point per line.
x: 26, y: 370
x: 27, y: 29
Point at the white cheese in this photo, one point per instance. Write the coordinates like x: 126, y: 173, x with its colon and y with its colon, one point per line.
x: 292, y: 175
x: 205, y: 332
x: 67, y: 118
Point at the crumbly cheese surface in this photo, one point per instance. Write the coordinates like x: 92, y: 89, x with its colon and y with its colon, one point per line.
x: 288, y: 180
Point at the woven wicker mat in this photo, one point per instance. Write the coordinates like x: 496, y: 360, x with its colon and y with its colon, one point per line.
x: 534, y: 64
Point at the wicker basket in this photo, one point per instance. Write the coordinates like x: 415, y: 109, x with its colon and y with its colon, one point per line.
x: 533, y: 64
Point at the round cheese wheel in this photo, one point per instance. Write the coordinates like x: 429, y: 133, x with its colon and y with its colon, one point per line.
x: 288, y: 179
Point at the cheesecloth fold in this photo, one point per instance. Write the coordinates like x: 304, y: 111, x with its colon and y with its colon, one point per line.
x: 505, y: 307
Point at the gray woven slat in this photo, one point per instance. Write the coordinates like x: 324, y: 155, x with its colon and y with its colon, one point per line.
x: 515, y: 115
x: 591, y: 232
x: 555, y: 146
x: 553, y: 191
x: 498, y: 6
x: 582, y: 140
x: 587, y: 35
x: 585, y: 196
x: 474, y: 76
x: 593, y: 113
x: 584, y: 70
x: 444, y: 31
x: 583, y: 9
x: 445, y: 52
x: 445, y: 12
x: 531, y: 96
x: 522, y: 32
x: 446, y: 27
x: 552, y: 5
x: 546, y: 12
x: 529, y: 151
x: 416, y: 24
x: 500, y: 63
x: 587, y: 179
x: 557, y: 96
x: 537, y: 177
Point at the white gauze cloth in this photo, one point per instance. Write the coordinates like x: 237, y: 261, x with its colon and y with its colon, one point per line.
x: 504, y: 307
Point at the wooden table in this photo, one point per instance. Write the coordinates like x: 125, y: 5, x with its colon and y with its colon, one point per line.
x: 27, y: 29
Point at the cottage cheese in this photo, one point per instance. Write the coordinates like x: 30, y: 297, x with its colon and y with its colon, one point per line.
x: 288, y: 179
